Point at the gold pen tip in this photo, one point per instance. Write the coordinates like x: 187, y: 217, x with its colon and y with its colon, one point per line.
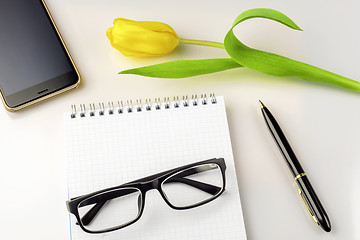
x: 261, y: 104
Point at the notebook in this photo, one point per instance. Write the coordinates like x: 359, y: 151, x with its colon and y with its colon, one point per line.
x: 115, y: 143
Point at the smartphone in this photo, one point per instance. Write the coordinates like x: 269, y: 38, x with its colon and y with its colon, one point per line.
x: 34, y: 61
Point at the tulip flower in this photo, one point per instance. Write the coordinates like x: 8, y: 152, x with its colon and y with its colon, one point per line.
x: 147, y: 39
x: 143, y: 39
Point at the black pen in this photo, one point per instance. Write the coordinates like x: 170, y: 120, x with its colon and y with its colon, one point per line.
x: 306, y: 191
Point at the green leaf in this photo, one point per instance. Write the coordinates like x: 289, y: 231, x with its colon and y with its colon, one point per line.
x: 276, y: 65
x: 184, y: 68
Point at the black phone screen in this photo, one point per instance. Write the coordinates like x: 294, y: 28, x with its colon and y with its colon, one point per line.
x: 32, y: 56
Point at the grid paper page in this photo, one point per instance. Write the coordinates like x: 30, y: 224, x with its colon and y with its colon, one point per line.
x: 106, y: 151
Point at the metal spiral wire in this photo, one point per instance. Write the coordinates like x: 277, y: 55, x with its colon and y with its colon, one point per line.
x: 149, y: 105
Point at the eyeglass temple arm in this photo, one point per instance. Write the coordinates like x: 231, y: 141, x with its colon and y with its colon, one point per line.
x: 89, y: 216
x: 180, y: 177
x: 211, y: 189
x: 100, y: 202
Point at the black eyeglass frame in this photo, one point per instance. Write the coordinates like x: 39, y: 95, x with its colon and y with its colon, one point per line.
x: 143, y: 185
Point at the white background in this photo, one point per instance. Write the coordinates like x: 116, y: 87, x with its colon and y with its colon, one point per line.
x: 321, y: 122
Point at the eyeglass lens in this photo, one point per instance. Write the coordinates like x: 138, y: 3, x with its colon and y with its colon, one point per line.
x: 193, y: 186
x: 116, y: 208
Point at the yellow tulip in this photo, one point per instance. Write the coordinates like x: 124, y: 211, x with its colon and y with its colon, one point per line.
x: 142, y: 38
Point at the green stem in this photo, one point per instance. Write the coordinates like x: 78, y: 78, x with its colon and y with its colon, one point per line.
x: 203, y: 43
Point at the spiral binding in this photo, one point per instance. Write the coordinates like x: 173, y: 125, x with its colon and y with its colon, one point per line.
x: 130, y: 107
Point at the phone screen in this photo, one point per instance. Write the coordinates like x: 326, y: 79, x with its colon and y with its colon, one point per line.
x: 33, y: 59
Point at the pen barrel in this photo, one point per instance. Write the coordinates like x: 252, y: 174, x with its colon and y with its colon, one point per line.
x: 306, y: 191
x: 313, y: 203
x: 281, y: 141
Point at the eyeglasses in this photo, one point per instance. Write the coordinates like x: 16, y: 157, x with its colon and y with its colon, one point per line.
x: 181, y: 188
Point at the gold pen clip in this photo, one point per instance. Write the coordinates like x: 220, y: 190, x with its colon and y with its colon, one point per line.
x: 307, y: 206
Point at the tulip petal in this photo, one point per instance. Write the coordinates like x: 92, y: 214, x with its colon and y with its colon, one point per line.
x: 276, y: 65
x: 184, y: 68
x: 150, y: 25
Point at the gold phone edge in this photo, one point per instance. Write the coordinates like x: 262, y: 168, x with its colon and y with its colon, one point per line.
x: 36, y: 101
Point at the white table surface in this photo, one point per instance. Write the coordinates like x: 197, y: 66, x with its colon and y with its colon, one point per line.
x: 321, y: 122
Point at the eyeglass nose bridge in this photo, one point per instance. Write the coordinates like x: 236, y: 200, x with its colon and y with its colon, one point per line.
x: 153, y: 184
